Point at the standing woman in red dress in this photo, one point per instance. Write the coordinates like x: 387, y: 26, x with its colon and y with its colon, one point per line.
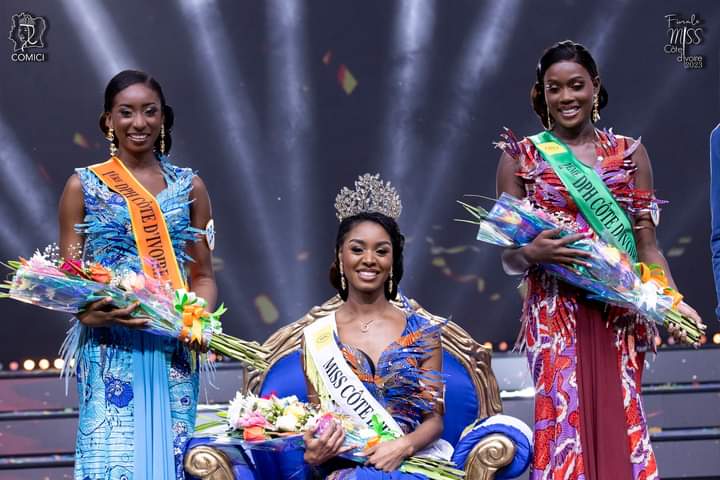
x: 585, y: 356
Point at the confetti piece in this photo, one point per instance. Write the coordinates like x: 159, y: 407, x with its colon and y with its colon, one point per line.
x: 327, y: 58
x: 44, y: 173
x: 80, y: 140
x: 268, y: 312
x: 675, y: 252
x: 302, y: 256
x: 481, y: 285
x: 684, y: 240
x: 346, y: 79
x: 494, y: 297
x: 439, y: 262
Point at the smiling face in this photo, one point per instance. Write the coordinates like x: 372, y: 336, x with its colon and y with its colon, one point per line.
x: 367, y: 257
x: 136, y: 117
x: 569, y: 92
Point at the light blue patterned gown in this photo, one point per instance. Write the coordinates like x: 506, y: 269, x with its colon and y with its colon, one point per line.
x: 108, y: 358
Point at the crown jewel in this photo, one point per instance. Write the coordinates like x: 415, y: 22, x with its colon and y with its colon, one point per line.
x: 370, y: 195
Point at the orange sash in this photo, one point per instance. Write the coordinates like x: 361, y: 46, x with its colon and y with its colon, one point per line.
x: 152, y: 238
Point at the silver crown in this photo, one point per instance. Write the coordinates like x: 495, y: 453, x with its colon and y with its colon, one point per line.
x: 370, y: 195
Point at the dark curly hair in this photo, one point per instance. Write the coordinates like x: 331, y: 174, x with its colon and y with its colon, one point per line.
x: 562, y: 51
x: 123, y: 80
x: 396, y: 239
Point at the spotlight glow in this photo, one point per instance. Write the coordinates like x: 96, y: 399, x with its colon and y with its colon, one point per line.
x: 290, y: 117
x: 99, y: 36
x: 412, y: 41
x: 18, y: 178
x: 29, y: 364
x: 44, y: 364
x: 58, y: 363
x: 478, y: 61
x: 238, y: 124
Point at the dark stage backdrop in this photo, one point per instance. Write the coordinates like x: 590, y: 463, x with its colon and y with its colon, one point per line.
x: 279, y: 103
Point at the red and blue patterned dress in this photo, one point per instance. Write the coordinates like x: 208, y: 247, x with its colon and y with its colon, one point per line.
x: 589, y: 420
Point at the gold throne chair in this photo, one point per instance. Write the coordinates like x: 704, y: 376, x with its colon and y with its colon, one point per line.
x: 471, y: 395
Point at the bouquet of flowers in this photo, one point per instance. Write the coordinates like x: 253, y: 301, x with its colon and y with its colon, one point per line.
x: 278, y: 424
x: 612, y: 276
x: 69, y: 286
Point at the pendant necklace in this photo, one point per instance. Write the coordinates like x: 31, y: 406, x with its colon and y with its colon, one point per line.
x: 365, y: 326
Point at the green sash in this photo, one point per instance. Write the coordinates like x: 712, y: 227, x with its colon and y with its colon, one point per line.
x: 589, y: 192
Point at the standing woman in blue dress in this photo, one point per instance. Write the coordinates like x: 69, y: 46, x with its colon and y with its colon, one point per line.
x: 137, y: 392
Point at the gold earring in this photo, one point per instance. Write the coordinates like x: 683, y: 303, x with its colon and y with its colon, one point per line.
x: 549, y: 118
x: 342, y: 276
x: 162, y: 139
x: 110, y: 137
x: 390, y: 282
x: 596, y: 109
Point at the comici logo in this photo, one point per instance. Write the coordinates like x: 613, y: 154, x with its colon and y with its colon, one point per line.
x: 27, y: 33
x: 683, y: 32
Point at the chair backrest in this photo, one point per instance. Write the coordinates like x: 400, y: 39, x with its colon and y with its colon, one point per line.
x: 471, y: 389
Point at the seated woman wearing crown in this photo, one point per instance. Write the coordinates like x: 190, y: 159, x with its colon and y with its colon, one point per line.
x: 388, y: 357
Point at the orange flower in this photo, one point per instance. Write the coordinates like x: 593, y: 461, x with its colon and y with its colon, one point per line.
x: 254, y: 434
x: 372, y: 442
x: 100, y: 274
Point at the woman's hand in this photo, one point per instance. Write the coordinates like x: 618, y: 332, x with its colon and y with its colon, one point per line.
x: 328, y: 445
x: 102, y: 314
x: 689, y: 312
x: 387, y: 456
x: 548, y: 248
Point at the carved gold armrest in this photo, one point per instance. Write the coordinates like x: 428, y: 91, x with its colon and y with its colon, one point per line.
x: 208, y: 463
x: 488, y: 456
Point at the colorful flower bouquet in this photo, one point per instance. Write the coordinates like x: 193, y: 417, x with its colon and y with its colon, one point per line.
x: 612, y: 277
x: 277, y: 424
x: 69, y: 286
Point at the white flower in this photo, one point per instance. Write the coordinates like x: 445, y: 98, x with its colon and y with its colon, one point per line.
x: 264, y: 404
x: 296, y: 409
x: 649, y: 295
x: 235, y: 410
x: 287, y: 423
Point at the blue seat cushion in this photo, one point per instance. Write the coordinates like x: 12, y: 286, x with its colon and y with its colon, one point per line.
x: 461, y: 402
x: 285, y: 378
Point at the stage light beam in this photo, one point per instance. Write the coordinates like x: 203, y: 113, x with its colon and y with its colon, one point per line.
x: 290, y: 119
x: 237, y: 121
x: 409, y: 59
x: 478, y: 62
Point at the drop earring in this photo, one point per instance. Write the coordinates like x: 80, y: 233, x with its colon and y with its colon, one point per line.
x: 162, y: 140
x: 342, y: 276
x: 596, y: 109
x: 110, y: 137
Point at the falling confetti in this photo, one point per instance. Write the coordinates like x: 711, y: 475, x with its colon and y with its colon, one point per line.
x: 346, y: 79
x: 80, y: 140
x: 268, y: 312
x: 685, y: 240
x: 675, y: 252
x: 302, y: 256
x: 494, y: 297
x: 327, y: 58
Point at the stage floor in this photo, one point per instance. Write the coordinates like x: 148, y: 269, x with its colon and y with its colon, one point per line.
x: 681, y: 399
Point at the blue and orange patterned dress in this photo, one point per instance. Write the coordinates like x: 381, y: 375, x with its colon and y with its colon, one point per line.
x: 108, y: 358
x: 400, y: 384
